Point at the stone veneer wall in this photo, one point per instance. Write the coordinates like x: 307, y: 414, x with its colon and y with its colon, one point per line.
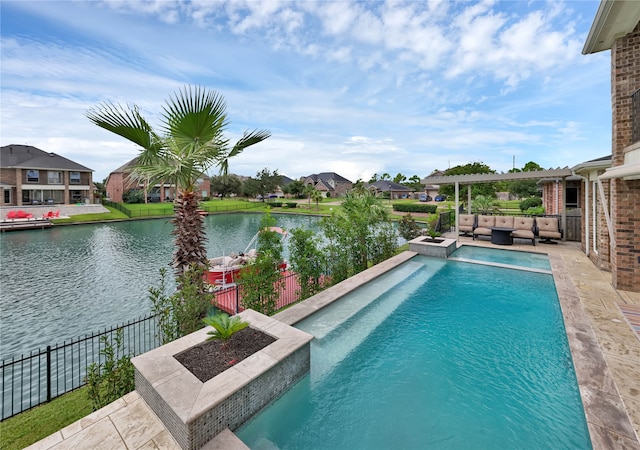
x: 195, y: 412
x: 234, y: 411
x: 625, y: 202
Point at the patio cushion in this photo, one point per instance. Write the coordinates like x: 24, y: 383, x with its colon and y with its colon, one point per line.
x: 484, y: 225
x: 504, y: 221
x: 466, y: 222
x: 548, y: 227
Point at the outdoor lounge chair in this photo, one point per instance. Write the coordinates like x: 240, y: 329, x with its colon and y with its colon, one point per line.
x: 525, y: 228
x: 548, y: 228
x: 466, y: 222
x: 483, y: 226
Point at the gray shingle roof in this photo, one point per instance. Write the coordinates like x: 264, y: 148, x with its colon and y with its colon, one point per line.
x: 29, y: 157
x: 386, y: 185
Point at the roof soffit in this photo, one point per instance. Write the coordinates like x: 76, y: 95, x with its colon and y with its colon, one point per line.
x: 614, y: 19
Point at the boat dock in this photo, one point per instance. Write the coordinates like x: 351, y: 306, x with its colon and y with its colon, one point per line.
x: 24, y: 224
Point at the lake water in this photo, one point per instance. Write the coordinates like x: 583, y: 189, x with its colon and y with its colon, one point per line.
x: 68, y: 281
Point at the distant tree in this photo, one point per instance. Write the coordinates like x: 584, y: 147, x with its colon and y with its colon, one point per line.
x: 100, y: 188
x: 373, y: 178
x: 358, y: 186
x: 525, y: 188
x: 415, y: 183
x: 294, y: 188
x: 226, y: 185
x: 264, y: 183
x: 317, y: 197
x: 486, y: 189
x: 385, y: 176
x: 399, y: 178
x: 309, y: 191
x: 250, y: 187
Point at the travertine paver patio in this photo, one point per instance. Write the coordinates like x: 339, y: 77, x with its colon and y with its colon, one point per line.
x: 128, y: 423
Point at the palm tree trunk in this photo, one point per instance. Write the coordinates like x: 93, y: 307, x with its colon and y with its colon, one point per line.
x: 189, y: 234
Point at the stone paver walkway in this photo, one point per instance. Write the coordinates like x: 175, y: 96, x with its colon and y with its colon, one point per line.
x: 128, y: 423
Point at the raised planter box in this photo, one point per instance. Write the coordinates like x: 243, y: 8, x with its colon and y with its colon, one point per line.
x: 440, y: 247
x: 195, y: 412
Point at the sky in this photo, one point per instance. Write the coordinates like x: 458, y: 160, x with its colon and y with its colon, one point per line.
x: 353, y: 87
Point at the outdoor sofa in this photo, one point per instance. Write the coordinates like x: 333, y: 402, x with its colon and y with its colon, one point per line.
x: 524, y: 227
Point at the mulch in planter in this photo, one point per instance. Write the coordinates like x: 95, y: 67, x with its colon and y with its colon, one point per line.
x: 208, y: 359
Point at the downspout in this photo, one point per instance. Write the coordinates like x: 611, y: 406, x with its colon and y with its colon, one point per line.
x: 586, y: 213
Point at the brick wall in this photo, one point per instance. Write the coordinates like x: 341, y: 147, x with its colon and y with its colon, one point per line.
x: 625, y: 199
x: 115, y: 187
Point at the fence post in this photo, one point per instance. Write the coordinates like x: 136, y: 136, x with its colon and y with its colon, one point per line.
x: 237, y: 298
x: 48, y: 373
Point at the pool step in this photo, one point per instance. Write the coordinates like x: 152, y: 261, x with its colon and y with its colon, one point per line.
x: 347, y: 323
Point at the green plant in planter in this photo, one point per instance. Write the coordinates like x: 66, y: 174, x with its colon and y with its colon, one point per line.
x: 432, y: 225
x: 224, y: 327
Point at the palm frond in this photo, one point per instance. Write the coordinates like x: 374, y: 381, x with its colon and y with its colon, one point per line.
x: 125, y: 122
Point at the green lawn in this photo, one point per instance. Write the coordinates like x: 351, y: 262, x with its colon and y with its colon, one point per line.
x: 113, y: 214
x: 37, y: 423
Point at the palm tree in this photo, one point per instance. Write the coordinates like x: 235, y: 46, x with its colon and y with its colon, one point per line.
x: 190, y: 141
x: 317, y: 197
x: 309, y: 189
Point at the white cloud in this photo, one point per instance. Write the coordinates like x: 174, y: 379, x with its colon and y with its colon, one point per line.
x: 372, y: 87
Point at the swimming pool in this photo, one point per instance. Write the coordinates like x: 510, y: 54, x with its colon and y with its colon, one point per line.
x: 434, y: 354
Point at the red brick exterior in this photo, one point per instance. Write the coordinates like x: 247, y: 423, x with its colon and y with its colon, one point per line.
x: 625, y: 198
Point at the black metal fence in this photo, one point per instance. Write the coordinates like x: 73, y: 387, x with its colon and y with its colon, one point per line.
x: 166, y: 209
x: 43, y: 375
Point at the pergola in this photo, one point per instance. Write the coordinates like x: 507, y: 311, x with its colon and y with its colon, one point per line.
x: 457, y: 180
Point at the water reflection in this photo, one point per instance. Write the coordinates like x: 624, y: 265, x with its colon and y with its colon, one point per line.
x: 63, y: 282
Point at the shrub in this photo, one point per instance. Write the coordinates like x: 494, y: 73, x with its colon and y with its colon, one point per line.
x: 531, y: 202
x: 133, y: 196
x: 307, y: 261
x: 181, y: 313
x: 415, y: 208
x: 537, y: 211
x: 108, y: 381
x: 408, y: 228
x: 292, y: 204
x: 276, y: 204
x: 485, y: 204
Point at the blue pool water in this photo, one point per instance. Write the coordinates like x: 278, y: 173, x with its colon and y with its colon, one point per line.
x: 494, y: 255
x: 434, y: 355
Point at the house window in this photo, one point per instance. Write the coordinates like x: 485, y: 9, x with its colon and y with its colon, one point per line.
x: 572, y: 198
x: 54, y: 177
x: 74, y: 177
x: 33, y: 176
x: 76, y: 196
x: 7, y: 196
